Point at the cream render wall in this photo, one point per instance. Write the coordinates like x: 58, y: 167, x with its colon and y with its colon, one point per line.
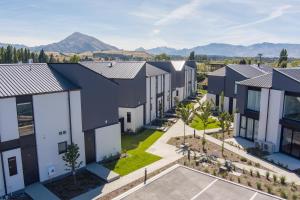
x: 108, y: 141
x: 8, y: 119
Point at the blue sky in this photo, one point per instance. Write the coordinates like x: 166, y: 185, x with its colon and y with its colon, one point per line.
x: 129, y: 24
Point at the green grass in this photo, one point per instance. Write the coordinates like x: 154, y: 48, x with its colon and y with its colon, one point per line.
x: 188, y: 104
x: 198, y: 124
x: 135, y: 146
x: 201, y: 91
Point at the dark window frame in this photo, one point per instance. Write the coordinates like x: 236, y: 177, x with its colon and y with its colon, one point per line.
x: 128, y: 117
x: 27, y: 99
x: 291, y: 145
x: 12, y: 166
x: 62, y: 151
x: 293, y: 94
x: 246, y: 99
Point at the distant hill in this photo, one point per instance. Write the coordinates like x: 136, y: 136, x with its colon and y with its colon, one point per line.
x: 267, y: 49
x: 76, y: 43
x: 18, y: 46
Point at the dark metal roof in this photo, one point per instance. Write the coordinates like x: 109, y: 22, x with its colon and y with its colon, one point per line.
x: 25, y: 79
x: 164, y: 65
x: 218, y: 72
x: 153, y: 71
x: 262, y: 81
x: 178, y: 65
x: 191, y: 63
x: 248, y: 71
x: 293, y: 73
x: 116, y: 70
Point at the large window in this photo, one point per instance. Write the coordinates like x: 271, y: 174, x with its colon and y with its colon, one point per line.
x: 248, y: 128
x: 292, y: 107
x: 62, y: 147
x: 129, y: 117
x: 12, y: 166
x: 290, y: 142
x: 253, y: 100
x: 25, y: 118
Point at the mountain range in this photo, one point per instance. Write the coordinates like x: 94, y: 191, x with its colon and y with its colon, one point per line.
x: 78, y: 43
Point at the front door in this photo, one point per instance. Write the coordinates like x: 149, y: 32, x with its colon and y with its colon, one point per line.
x: 90, y: 146
x: 121, y: 120
x: 230, y: 105
x: 29, y: 159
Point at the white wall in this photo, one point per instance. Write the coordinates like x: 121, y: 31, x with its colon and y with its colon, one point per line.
x: 2, y: 186
x: 108, y: 141
x: 236, y: 129
x: 76, y: 116
x: 234, y: 105
x: 264, y: 99
x: 275, y: 114
x: 180, y: 93
x: 226, y: 103
x: 137, y: 115
x: 167, y: 94
x: 8, y: 119
x: 211, y: 97
x: 51, y: 113
x: 16, y: 182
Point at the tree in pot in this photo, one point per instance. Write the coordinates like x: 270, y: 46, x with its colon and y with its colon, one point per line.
x: 71, y: 158
x: 204, y: 111
x: 184, y: 112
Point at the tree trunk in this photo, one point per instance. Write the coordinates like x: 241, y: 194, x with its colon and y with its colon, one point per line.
x: 184, y: 134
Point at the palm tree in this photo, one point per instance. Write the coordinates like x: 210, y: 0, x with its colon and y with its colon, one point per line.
x: 204, y: 112
x: 184, y: 112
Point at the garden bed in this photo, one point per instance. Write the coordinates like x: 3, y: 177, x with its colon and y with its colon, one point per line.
x: 20, y: 196
x: 198, y: 124
x: 65, y: 188
x: 219, y: 135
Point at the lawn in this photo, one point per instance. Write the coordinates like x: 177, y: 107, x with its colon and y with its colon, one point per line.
x: 135, y: 146
x: 198, y: 124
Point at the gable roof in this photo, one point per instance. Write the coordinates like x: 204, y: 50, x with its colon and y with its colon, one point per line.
x: 248, y: 71
x: 191, y: 63
x: 153, y: 71
x: 293, y: 73
x: 25, y: 79
x: 178, y: 65
x: 218, y: 72
x: 116, y: 70
x: 164, y: 65
x: 262, y: 81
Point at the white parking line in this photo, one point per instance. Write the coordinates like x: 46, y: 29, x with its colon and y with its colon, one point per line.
x: 253, y: 196
x: 208, y: 186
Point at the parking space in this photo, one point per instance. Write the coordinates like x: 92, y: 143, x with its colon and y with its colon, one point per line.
x: 181, y: 183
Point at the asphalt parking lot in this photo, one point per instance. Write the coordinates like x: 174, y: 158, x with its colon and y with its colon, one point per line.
x: 179, y: 182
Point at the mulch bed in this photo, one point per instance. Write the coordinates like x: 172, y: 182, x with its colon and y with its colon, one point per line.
x: 21, y: 196
x: 66, y: 189
x: 219, y: 135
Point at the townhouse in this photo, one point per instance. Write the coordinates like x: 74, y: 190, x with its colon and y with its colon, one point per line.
x: 42, y: 111
x: 183, y: 78
x: 269, y: 111
x: 224, y: 80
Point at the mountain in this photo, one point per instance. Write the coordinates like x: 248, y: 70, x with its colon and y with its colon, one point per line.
x: 221, y: 49
x: 18, y: 46
x: 76, y: 43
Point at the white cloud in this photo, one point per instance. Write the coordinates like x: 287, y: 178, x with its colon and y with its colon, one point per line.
x: 277, y: 12
x: 156, y: 31
x: 144, y: 15
x: 179, y: 13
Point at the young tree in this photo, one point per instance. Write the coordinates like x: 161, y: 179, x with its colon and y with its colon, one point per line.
x: 52, y: 59
x: 222, y: 102
x: 192, y: 55
x: 283, y: 58
x: 71, y: 159
x: 222, y: 117
x: 43, y: 58
x: 15, y: 56
x: 184, y: 113
x: 204, y: 112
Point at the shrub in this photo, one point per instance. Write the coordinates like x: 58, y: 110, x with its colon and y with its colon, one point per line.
x: 251, y: 172
x: 282, y: 180
x: 244, y: 171
x: 294, y: 197
x: 283, y: 194
x: 257, y: 165
x: 239, y: 180
x: 249, y: 162
x: 249, y: 183
x: 258, y: 185
x: 206, y: 170
x: 243, y: 159
x: 231, y: 178
x: 257, y: 174
x: 214, y: 173
x: 274, y: 178
x: 269, y: 189
x: 293, y: 186
x: 267, y: 175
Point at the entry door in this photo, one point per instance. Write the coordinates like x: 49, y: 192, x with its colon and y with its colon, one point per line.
x: 90, y: 146
x: 230, y: 105
x: 121, y: 120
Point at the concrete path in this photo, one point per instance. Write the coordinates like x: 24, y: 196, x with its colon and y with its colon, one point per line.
x: 290, y: 162
x: 102, y: 172
x: 37, y: 191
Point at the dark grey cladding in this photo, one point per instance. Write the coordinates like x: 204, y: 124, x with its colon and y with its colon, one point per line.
x: 241, y: 97
x: 231, y: 78
x: 216, y: 84
x: 287, y: 79
x: 99, y: 95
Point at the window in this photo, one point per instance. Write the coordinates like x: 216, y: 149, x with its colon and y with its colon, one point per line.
x: 62, y: 147
x: 243, y: 127
x: 217, y: 100
x: 290, y: 142
x: 25, y: 118
x: 177, y: 93
x: 292, y: 107
x: 249, y: 128
x: 253, y: 100
x: 12, y: 166
x: 128, y: 117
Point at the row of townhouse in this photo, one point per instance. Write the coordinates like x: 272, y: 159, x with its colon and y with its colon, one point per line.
x: 225, y: 79
x: 45, y: 107
x: 266, y: 102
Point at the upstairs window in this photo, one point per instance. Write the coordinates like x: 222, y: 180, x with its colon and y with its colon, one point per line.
x: 253, y: 100
x: 25, y: 118
x: 292, y: 107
